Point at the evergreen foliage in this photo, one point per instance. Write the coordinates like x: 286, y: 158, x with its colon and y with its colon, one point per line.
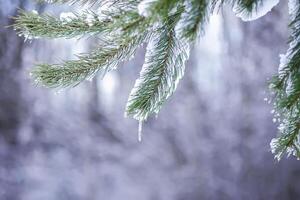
x: 169, y: 27
x: 164, y: 66
x: 286, y: 86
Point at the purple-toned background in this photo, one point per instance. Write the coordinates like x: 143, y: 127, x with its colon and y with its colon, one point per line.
x: 209, y: 142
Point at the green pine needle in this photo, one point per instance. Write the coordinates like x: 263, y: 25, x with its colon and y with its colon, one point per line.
x: 104, y: 59
x: 32, y: 25
x: 163, y: 68
x: 169, y: 27
x: 286, y: 86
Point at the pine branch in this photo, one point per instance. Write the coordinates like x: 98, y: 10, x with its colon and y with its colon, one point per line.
x: 71, y: 73
x: 104, y: 59
x: 32, y: 25
x: 193, y: 19
x: 159, y: 9
x: 288, y: 142
x: 95, y: 3
x: 286, y: 86
x: 171, y: 26
x: 246, y: 9
x: 163, y: 68
x: 82, y: 2
x: 248, y: 5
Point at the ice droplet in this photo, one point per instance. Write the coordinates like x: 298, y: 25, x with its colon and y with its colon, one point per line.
x: 140, y: 132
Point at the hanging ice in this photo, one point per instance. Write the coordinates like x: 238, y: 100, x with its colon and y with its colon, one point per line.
x: 140, y: 132
x: 259, y: 9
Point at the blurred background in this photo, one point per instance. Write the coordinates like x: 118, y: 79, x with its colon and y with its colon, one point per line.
x: 210, y: 141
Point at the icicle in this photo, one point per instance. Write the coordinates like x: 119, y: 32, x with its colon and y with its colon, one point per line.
x: 140, y: 132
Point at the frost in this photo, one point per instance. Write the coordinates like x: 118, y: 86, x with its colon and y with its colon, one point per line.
x: 28, y: 36
x: 275, y: 148
x: 35, y: 12
x: 293, y: 7
x: 168, y: 76
x: 289, y: 87
x: 274, y: 145
x: 90, y: 19
x: 281, y: 127
x: 185, y: 20
x: 258, y: 10
x: 143, y: 8
x: 283, y: 61
x: 66, y: 16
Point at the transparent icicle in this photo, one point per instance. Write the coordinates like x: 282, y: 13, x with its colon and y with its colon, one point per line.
x: 140, y: 131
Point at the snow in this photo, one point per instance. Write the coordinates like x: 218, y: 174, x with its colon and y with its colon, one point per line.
x: 274, y: 145
x: 293, y: 6
x: 258, y: 11
x: 283, y: 62
x: 289, y: 87
x: 90, y: 19
x: 143, y: 8
x: 285, y: 58
x: 35, y: 12
x: 184, y: 19
x: 67, y: 16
